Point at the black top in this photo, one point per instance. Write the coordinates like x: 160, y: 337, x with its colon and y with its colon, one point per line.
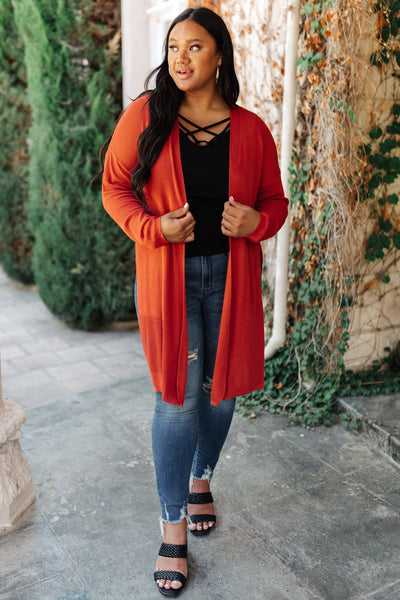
x: 206, y: 173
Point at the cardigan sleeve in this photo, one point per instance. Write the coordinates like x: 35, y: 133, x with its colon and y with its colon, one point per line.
x: 118, y: 198
x: 270, y: 202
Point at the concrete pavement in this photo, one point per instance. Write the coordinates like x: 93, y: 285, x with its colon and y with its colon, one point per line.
x: 302, y: 515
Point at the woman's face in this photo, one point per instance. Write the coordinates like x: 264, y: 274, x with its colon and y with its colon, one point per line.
x: 192, y: 57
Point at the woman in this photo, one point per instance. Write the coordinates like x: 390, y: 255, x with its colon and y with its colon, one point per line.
x: 194, y: 180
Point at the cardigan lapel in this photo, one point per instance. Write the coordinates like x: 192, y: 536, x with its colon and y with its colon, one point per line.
x: 236, y: 163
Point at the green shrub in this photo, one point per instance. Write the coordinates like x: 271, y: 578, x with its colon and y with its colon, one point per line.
x: 15, y: 237
x: 83, y: 263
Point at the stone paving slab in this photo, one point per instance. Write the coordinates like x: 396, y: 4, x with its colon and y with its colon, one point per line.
x: 305, y: 515
x: 384, y: 409
x: 379, y: 420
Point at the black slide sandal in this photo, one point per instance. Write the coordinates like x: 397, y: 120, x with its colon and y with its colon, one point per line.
x: 201, y: 498
x: 171, y: 551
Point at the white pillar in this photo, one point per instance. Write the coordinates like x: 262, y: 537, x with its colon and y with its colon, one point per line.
x: 288, y: 126
x: 16, y: 488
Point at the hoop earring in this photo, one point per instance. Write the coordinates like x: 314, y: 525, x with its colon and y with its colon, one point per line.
x: 217, y: 75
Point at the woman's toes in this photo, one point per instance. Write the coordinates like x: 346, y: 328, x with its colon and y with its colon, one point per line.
x: 176, y: 585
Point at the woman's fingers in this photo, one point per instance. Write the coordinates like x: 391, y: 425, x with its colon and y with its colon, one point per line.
x: 177, y: 226
x: 238, y: 220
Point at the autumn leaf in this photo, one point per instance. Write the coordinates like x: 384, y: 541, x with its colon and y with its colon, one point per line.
x: 371, y: 285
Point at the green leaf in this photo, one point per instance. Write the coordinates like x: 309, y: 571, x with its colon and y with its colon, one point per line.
x: 385, y: 225
x: 385, y: 279
x: 398, y: 57
x: 367, y: 149
x: 390, y: 177
x: 395, y: 164
x: 384, y: 240
x: 393, y: 128
x: 387, y: 146
x: 297, y: 196
x: 393, y: 199
x: 396, y: 109
x: 379, y: 57
x: 396, y: 240
x: 375, y: 133
x: 385, y: 33
x: 307, y: 9
x: 379, y: 161
x: 375, y: 181
x: 317, y: 57
x: 303, y: 177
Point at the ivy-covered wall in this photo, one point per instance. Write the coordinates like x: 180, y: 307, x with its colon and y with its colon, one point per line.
x: 375, y: 317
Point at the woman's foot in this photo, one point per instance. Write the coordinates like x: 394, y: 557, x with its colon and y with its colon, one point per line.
x: 173, y: 534
x: 201, y: 486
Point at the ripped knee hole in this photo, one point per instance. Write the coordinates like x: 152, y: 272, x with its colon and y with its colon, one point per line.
x: 193, y: 355
x: 207, y: 384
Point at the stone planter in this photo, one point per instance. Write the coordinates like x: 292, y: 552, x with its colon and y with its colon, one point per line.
x: 16, y: 488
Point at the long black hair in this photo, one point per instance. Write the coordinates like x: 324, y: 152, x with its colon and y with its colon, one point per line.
x: 165, y: 99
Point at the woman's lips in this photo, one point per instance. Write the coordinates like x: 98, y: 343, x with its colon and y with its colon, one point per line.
x: 184, y: 74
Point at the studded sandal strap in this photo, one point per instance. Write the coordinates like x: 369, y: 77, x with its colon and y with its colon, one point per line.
x: 173, y: 551
x: 201, y: 498
x: 171, y: 575
x: 202, y: 518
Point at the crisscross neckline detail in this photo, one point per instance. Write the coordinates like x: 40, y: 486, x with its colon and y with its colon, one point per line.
x: 191, y: 133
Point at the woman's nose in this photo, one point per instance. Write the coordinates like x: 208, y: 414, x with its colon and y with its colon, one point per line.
x: 182, y: 54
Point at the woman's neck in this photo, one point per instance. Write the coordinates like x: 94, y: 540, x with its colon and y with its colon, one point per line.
x: 203, y: 107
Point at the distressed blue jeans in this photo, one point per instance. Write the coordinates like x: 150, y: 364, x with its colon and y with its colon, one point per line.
x: 188, y: 441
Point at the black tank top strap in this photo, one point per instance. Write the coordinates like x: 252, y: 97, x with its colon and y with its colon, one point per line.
x: 191, y: 133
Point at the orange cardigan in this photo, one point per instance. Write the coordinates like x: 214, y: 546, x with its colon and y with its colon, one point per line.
x: 254, y: 179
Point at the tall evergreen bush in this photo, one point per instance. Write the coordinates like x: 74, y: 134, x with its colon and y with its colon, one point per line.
x: 15, y: 237
x: 83, y: 263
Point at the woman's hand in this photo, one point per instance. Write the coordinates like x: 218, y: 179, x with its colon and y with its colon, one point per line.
x: 178, y: 225
x: 238, y: 220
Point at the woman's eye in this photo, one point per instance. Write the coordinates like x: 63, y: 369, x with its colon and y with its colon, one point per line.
x: 195, y: 47
x: 172, y: 48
